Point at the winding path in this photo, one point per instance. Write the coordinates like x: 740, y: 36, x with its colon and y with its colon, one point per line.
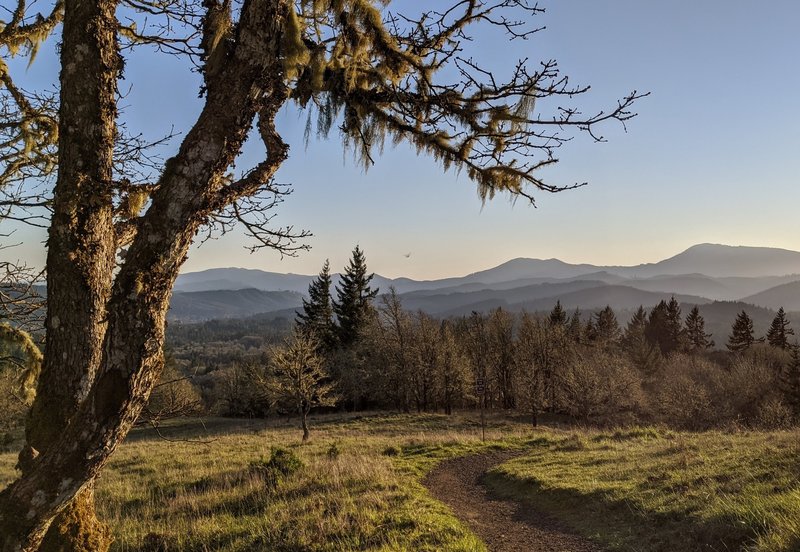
x: 504, y: 525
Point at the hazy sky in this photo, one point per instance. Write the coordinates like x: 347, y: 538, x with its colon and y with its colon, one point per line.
x: 714, y: 155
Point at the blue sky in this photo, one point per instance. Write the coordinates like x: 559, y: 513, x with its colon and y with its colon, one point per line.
x: 712, y: 157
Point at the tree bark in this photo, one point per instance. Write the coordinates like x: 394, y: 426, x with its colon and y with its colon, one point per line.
x: 81, y: 252
x: 304, y: 423
x: 115, y: 341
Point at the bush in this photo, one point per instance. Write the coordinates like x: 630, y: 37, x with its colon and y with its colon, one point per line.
x: 333, y: 451
x: 391, y: 450
x: 773, y: 414
x: 601, y: 387
x: 282, y: 463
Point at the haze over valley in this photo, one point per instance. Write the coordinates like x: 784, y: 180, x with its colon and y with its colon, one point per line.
x: 721, y: 279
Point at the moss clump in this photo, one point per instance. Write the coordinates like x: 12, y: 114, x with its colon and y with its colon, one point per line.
x: 77, y: 529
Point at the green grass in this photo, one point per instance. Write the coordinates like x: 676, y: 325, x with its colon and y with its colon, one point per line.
x: 654, y: 489
x: 639, y: 489
x: 198, y: 496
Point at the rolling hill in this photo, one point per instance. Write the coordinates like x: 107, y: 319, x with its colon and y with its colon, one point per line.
x: 785, y: 295
x: 700, y: 275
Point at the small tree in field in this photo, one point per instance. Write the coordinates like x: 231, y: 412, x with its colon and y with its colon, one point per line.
x: 298, y: 378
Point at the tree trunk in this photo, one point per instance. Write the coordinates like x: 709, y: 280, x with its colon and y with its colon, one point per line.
x: 77, y: 529
x: 304, y: 423
x: 80, y: 258
x: 110, y: 345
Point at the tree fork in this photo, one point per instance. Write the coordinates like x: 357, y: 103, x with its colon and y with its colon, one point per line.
x: 128, y: 329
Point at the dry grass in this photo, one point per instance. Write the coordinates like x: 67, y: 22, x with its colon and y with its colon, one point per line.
x: 360, y: 487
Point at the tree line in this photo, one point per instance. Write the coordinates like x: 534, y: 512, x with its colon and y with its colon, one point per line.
x: 370, y: 353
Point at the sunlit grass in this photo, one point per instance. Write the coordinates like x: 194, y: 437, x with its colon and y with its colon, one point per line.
x: 655, y: 489
x: 361, y: 485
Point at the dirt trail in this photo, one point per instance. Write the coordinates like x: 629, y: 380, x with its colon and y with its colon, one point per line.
x: 504, y: 525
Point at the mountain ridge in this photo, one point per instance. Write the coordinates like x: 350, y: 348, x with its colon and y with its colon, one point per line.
x: 737, y: 273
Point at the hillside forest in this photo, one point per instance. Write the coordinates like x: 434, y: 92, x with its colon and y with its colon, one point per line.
x: 351, y: 348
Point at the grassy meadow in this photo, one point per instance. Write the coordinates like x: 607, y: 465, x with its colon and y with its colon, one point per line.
x: 210, y: 486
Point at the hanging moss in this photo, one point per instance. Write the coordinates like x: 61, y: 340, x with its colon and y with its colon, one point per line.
x: 295, y: 52
x: 23, y: 354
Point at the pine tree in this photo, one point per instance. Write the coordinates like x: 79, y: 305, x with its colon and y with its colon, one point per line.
x: 790, y: 381
x: 674, y: 326
x: 589, y: 330
x: 354, y: 299
x: 656, y: 331
x: 575, y: 327
x: 606, y: 327
x: 779, y: 332
x: 634, y: 331
x: 317, y: 316
x: 696, y: 335
x: 645, y: 356
x: 558, y: 317
x: 741, y: 337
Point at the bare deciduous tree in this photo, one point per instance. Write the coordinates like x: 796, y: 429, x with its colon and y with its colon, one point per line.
x: 297, y: 378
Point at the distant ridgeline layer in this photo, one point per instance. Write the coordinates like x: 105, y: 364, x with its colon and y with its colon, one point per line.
x: 722, y: 280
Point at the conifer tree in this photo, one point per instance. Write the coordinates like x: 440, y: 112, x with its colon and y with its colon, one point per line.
x: 645, y: 356
x: 589, y: 330
x: 779, y: 332
x: 575, y: 327
x: 317, y: 316
x: 656, y: 331
x: 558, y: 316
x: 634, y: 330
x: 606, y: 327
x: 741, y: 337
x: 790, y: 380
x: 354, y: 299
x: 696, y: 335
x: 674, y: 325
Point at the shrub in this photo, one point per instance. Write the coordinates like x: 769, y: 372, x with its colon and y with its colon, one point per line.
x: 333, y: 451
x: 282, y: 463
x: 391, y: 450
x: 601, y: 387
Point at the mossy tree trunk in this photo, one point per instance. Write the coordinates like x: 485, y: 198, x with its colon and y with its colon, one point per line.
x: 105, y: 331
x: 81, y: 253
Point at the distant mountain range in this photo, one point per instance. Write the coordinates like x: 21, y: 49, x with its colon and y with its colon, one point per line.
x: 701, y: 275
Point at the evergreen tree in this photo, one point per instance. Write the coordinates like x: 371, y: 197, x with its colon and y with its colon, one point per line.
x: 674, y: 326
x: 589, y: 330
x: 575, y: 328
x: 657, y: 331
x: 634, y: 331
x: 695, y: 332
x: 779, y: 332
x: 606, y: 327
x: 317, y: 316
x: 790, y: 381
x: 645, y: 356
x: 741, y: 337
x: 558, y: 317
x: 354, y: 299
